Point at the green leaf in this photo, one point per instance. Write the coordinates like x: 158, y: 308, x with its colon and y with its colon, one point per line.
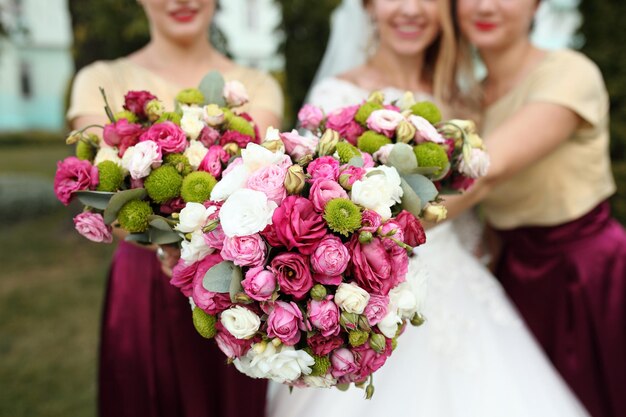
x: 220, y: 276
x: 119, y: 199
x: 410, y: 200
x: 422, y: 186
x: 143, y: 238
x: 356, y: 161
x: 161, y: 223
x: 212, y: 88
x: 402, y: 158
x: 96, y: 199
x: 163, y: 237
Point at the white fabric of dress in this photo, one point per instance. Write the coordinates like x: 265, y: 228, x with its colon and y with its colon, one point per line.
x: 472, y: 358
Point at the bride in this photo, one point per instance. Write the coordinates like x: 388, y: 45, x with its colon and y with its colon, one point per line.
x: 474, y: 356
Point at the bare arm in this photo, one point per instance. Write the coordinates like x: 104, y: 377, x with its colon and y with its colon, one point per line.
x: 265, y: 119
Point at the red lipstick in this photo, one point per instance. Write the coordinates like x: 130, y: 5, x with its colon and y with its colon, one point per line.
x: 183, y: 15
x: 485, y: 26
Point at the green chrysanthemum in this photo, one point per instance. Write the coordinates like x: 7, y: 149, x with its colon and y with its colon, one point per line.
x: 190, y: 96
x: 365, y: 110
x: 342, y: 216
x: 178, y: 161
x: 347, y: 151
x: 197, y: 187
x: 125, y: 114
x: 110, y: 175
x: 163, y: 184
x: 321, y: 365
x: 204, y: 323
x: 430, y: 154
x: 371, y: 141
x: 357, y: 338
x: 427, y: 110
x: 133, y: 216
x: 241, y: 125
x: 169, y: 116
x: 85, y: 151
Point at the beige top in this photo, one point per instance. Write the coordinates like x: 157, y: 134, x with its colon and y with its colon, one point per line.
x: 122, y: 75
x: 576, y: 176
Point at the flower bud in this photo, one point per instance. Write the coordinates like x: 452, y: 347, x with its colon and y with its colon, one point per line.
x: 232, y: 149
x: 406, y: 101
x: 154, y: 110
x: 259, y: 347
x: 210, y: 226
x: 349, y: 320
x: 474, y: 141
x: 364, y: 324
x: 318, y: 292
x: 274, y: 145
x: 295, y: 179
x: 175, y: 215
x: 434, y: 213
x: 276, y: 342
x: 73, y: 137
x: 242, y: 298
x: 365, y: 237
x: 378, y: 342
x: 328, y: 143
x: 305, y: 160
x: 357, y: 338
x: 405, y: 132
x: 417, y: 320
x: 376, y: 97
x: 369, y: 392
x: 394, y: 343
x: 213, y: 115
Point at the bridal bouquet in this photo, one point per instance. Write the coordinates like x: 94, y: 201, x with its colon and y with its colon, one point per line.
x: 299, y: 270
x: 149, y: 162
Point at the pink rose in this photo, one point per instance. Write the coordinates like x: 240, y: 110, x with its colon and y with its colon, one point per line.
x: 270, y: 180
x: 74, y: 175
x: 297, y: 146
x: 370, y: 221
x: 392, y: 228
x: 210, y: 302
x: 135, y: 102
x: 310, y: 117
x: 244, y: 250
x: 229, y: 344
x: 426, y: 132
x: 329, y: 260
x: 324, y: 190
x: 169, y: 136
x: 375, y: 268
x: 376, y: 308
x: 233, y: 136
x: 325, y: 167
x: 235, y: 93
x: 322, y: 346
x: 175, y: 205
x: 91, y: 226
x: 215, y: 238
x: 284, y: 322
x: 293, y: 273
x: 183, y: 275
x: 368, y: 360
x: 342, y: 362
x: 213, y: 161
x: 324, y: 316
x: 384, y: 121
x: 414, y: 234
x: 296, y: 225
x: 342, y: 121
x: 122, y: 135
x: 259, y: 284
x: 208, y: 136
x: 349, y: 174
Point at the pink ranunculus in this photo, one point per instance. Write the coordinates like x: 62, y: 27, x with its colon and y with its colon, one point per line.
x: 324, y: 316
x: 296, y: 225
x: 175, y: 205
x: 229, y: 344
x: 329, y: 260
x: 370, y: 221
x: 322, y: 346
x: 91, y: 226
x: 414, y: 234
x: 368, y: 160
x: 342, y: 362
x: 324, y: 190
x: 270, y: 180
x: 426, y: 132
x: 169, y: 136
x: 297, y: 146
x: 395, y: 230
x: 259, y: 284
x: 214, y: 160
x: 384, y: 121
x: 382, y: 154
x: 122, y: 135
x: 342, y: 121
x: 183, y: 275
x: 376, y: 308
x: 74, y: 175
x: 368, y: 360
x: 210, y: 302
x: 325, y: 167
x: 209, y: 136
x: 349, y: 174
x: 244, y: 250
x: 284, y: 322
x: 310, y: 116
x: 293, y: 273
x: 135, y: 102
x: 376, y: 269
x: 215, y: 238
x: 238, y: 138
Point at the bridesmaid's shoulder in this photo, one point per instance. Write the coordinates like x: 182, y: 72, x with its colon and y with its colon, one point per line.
x: 575, y: 61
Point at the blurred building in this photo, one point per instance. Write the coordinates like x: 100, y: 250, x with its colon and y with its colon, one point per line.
x: 35, y: 64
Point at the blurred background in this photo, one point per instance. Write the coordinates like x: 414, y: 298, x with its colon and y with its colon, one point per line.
x: 51, y: 279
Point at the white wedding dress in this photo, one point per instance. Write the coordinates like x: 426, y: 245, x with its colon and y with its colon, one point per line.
x: 472, y: 358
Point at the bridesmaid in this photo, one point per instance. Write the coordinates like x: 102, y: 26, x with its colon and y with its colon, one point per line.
x: 563, y: 260
x: 152, y: 361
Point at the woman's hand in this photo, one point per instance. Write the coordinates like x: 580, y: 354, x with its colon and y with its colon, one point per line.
x: 168, y: 255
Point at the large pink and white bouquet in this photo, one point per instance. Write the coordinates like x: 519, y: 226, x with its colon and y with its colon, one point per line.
x: 299, y: 270
x: 149, y: 162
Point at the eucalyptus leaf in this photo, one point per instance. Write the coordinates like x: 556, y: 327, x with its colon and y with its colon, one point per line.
x: 138, y: 237
x: 219, y: 277
x: 163, y: 237
x: 161, y: 223
x: 422, y: 186
x: 427, y: 171
x: 212, y: 88
x: 96, y: 199
x: 119, y: 199
x: 410, y: 200
x: 356, y: 161
x: 402, y: 158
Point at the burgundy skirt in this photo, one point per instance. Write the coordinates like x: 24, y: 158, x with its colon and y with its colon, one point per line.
x: 569, y: 283
x: 152, y: 360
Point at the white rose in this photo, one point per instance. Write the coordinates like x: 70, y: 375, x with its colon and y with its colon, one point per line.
x: 477, y: 165
x: 107, y: 154
x: 378, y: 191
x: 256, y: 157
x: 246, y: 212
x: 195, y: 153
x: 141, y: 158
x: 193, y: 217
x: 417, y: 277
x: 351, y: 298
x: 254, y: 362
x: 382, y: 154
x: 289, y: 364
x: 388, y: 326
x: 425, y: 130
x: 240, y: 322
x: 384, y: 120
x: 271, y: 133
x: 191, y: 125
x: 325, y: 381
x: 234, y: 180
x: 235, y: 94
x: 192, y: 110
x: 194, y: 250
x: 403, y: 298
